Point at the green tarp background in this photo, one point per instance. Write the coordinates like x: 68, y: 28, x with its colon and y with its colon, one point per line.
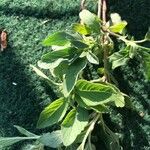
x: 23, y: 95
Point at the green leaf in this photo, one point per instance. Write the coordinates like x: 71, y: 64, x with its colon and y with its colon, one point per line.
x: 115, y: 18
x: 73, y: 125
x: 80, y: 101
x: 58, y: 38
x: 119, y: 27
x: 98, y: 108
x: 93, y: 94
x: 39, y: 72
x: 24, y: 131
x: 52, y: 65
x: 90, y: 20
x: 101, y: 70
x: 72, y: 74
x: 92, y: 58
x: 82, y: 29
x: 119, y: 59
x: 79, y: 44
x: 53, y: 139
x: 8, y: 141
x: 147, y: 36
x: 119, y: 100
x: 55, y: 55
x: 146, y: 65
x: 53, y: 113
x: 60, y: 70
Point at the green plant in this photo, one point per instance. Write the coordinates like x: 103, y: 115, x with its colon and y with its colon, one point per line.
x: 84, y: 101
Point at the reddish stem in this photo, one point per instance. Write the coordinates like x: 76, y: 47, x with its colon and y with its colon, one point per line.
x: 82, y: 4
x: 104, y: 9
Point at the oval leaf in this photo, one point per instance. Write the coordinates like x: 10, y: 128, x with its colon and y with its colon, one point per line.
x: 119, y: 59
x: 73, y: 125
x: 80, y: 28
x: 92, y: 58
x: 55, y: 55
x: 58, y: 38
x: 52, y: 65
x: 119, y: 27
x: 72, y: 74
x: 53, y: 139
x: 90, y: 20
x: 53, y: 113
x: 93, y: 94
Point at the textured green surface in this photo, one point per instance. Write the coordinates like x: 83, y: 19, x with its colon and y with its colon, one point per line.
x: 21, y: 104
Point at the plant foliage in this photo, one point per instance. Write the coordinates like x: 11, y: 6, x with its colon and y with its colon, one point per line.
x: 83, y: 102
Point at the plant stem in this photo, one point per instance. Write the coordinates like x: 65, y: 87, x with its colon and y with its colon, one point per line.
x: 89, y: 141
x: 140, y: 41
x: 91, y: 127
x: 105, y: 42
x: 104, y: 9
x: 99, y: 8
x: 82, y: 6
x: 123, y: 38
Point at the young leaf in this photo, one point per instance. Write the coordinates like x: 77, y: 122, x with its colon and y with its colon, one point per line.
x: 72, y: 74
x: 92, y: 58
x: 8, y: 141
x: 82, y: 29
x: 115, y: 18
x: 147, y: 36
x: 90, y: 20
x: 119, y: 59
x: 53, y: 113
x: 119, y: 27
x: 24, y: 131
x: 53, y: 139
x: 58, y: 38
x: 55, y: 55
x: 119, y: 100
x: 73, y: 124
